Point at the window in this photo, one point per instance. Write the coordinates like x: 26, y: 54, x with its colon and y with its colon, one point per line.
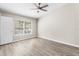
x: 22, y: 27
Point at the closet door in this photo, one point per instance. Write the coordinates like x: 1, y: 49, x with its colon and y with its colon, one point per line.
x: 7, y: 28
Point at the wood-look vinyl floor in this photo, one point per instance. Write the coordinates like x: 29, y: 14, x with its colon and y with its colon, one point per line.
x: 38, y: 47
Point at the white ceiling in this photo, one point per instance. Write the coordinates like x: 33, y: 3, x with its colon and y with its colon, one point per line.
x: 25, y: 9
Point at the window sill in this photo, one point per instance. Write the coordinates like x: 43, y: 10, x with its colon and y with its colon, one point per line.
x: 22, y: 34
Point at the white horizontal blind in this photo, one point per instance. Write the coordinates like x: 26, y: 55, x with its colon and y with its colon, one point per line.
x: 7, y: 29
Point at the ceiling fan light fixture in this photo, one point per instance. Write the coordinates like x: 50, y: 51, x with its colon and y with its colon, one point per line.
x: 38, y: 11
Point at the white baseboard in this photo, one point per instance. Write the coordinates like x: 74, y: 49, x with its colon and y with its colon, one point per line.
x: 60, y: 41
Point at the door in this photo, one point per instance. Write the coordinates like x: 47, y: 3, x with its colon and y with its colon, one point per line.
x: 7, y: 28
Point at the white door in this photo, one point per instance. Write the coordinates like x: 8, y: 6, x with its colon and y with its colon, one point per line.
x: 7, y: 28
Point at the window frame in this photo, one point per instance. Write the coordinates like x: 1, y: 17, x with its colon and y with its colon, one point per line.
x: 24, y: 27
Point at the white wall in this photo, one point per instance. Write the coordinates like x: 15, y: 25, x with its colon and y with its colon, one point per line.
x: 61, y: 25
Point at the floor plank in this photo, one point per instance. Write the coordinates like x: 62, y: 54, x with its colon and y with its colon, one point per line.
x: 38, y: 47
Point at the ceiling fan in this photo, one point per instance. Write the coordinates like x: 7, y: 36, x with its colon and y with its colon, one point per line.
x: 40, y: 6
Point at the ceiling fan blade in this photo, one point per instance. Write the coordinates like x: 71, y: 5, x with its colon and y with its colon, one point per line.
x: 43, y: 9
x: 39, y: 4
x: 33, y: 8
x: 35, y: 4
x: 44, y: 6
